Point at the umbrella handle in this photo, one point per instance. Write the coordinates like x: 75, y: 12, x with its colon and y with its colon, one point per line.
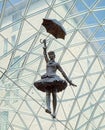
x: 44, y: 41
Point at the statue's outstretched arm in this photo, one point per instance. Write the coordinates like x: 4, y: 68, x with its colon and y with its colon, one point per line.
x: 65, y: 76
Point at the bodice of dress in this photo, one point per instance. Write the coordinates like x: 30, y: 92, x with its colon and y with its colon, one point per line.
x: 51, y: 68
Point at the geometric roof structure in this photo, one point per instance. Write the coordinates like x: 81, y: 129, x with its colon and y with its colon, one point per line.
x: 81, y: 55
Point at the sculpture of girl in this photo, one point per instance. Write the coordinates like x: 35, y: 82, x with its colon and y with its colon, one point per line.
x: 50, y: 82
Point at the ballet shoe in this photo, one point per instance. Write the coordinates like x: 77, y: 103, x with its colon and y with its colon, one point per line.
x: 54, y: 115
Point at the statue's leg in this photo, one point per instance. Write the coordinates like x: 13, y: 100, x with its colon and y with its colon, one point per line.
x: 54, y: 103
x: 48, y: 109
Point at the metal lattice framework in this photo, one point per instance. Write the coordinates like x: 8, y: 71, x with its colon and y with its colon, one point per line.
x: 81, y: 55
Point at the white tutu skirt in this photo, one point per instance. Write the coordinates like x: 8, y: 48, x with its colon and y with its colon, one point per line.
x: 50, y: 83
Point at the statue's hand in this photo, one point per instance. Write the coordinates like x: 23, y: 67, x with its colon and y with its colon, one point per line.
x: 44, y: 41
x: 44, y: 48
x: 74, y: 85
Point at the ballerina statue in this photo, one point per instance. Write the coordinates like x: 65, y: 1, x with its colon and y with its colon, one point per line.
x: 50, y: 82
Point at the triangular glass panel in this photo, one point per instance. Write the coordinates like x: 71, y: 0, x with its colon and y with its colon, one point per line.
x: 91, y: 20
x: 98, y: 45
x: 100, y: 33
x: 99, y: 14
x: 78, y: 70
x: 87, y: 52
x: 36, y: 123
x: 37, y: 7
x: 25, y: 45
x: 75, y: 110
x: 77, y: 37
x: 66, y: 56
x: 6, y: 9
x: 101, y: 58
x: 88, y: 31
x: 100, y: 3
x: 100, y: 84
x: 4, y: 61
x: 77, y: 50
x: 95, y: 66
x: 88, y: 3
x: 19, y: 120
x: 19, y: 5
x: 80, y: 6
x: 33, y: 62
x: 62, y: 110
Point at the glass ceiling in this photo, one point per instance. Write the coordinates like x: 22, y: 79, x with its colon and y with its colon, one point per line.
x: 81, y: 54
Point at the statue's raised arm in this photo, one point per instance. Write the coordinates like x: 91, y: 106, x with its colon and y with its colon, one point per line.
x: 45, y: 51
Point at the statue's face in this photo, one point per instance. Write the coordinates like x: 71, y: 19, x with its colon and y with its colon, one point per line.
x: 52, y: 56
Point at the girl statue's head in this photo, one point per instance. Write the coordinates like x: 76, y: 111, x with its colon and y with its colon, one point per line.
x: 51, y: 54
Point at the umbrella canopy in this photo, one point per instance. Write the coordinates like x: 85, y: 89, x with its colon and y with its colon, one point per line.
x: 54, y: 27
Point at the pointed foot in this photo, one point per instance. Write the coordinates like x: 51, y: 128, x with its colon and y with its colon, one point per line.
x: 54, y: 115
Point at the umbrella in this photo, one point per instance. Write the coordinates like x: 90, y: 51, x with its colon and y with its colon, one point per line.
x: 54, y: 27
